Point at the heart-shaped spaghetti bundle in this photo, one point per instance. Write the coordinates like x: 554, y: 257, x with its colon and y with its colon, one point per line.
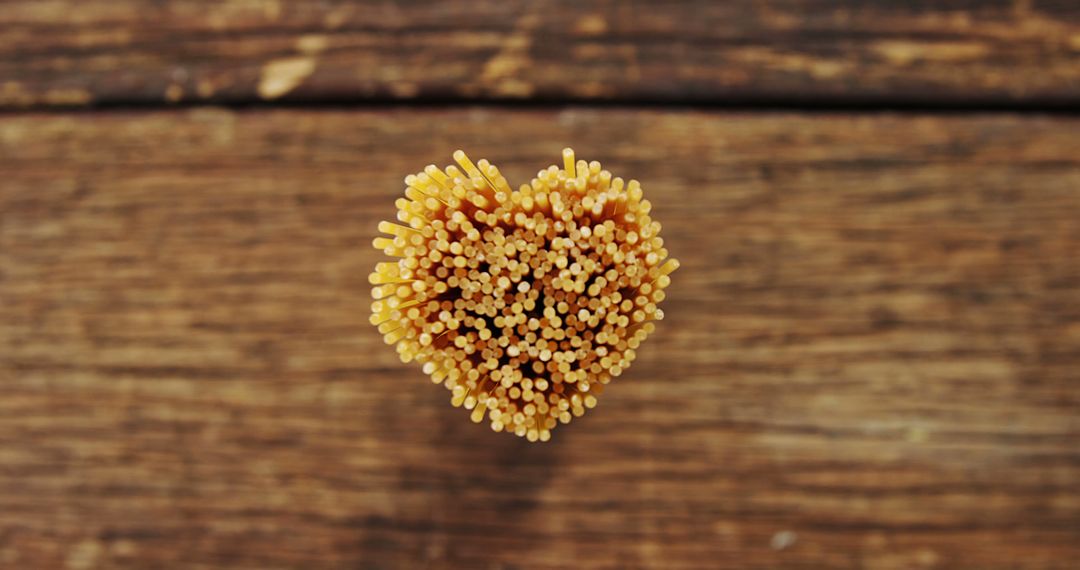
x: 523, y: 303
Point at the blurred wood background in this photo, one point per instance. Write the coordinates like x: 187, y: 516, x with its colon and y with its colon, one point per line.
x: 871, y: 353
x: 74, y: 52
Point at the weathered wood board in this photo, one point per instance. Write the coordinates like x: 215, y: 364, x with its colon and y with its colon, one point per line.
x: 963, y: 52
x: 869, y: 358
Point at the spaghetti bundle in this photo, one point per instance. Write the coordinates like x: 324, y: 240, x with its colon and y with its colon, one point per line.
x: 523, y: 303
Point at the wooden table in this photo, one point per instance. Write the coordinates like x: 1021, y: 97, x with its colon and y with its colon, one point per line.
x: 870, y: 357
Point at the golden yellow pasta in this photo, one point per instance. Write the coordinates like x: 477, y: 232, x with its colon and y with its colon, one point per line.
x: 523, y: 303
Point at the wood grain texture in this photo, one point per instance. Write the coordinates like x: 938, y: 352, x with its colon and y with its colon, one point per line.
x: 78, y: 52
x: 869, y: 358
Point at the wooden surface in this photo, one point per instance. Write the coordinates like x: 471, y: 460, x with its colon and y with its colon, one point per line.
x: 870, y: 357
x: 871, y: 352
x: 960, y: 52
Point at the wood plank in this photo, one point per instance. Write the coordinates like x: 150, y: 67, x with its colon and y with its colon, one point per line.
x: 78, y: 52
x: 869, y: 359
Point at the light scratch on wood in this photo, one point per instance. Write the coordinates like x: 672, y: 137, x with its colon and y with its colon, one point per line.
x: 283, y: 75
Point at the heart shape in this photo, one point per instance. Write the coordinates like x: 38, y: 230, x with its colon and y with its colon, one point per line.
x: 524, y: 304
